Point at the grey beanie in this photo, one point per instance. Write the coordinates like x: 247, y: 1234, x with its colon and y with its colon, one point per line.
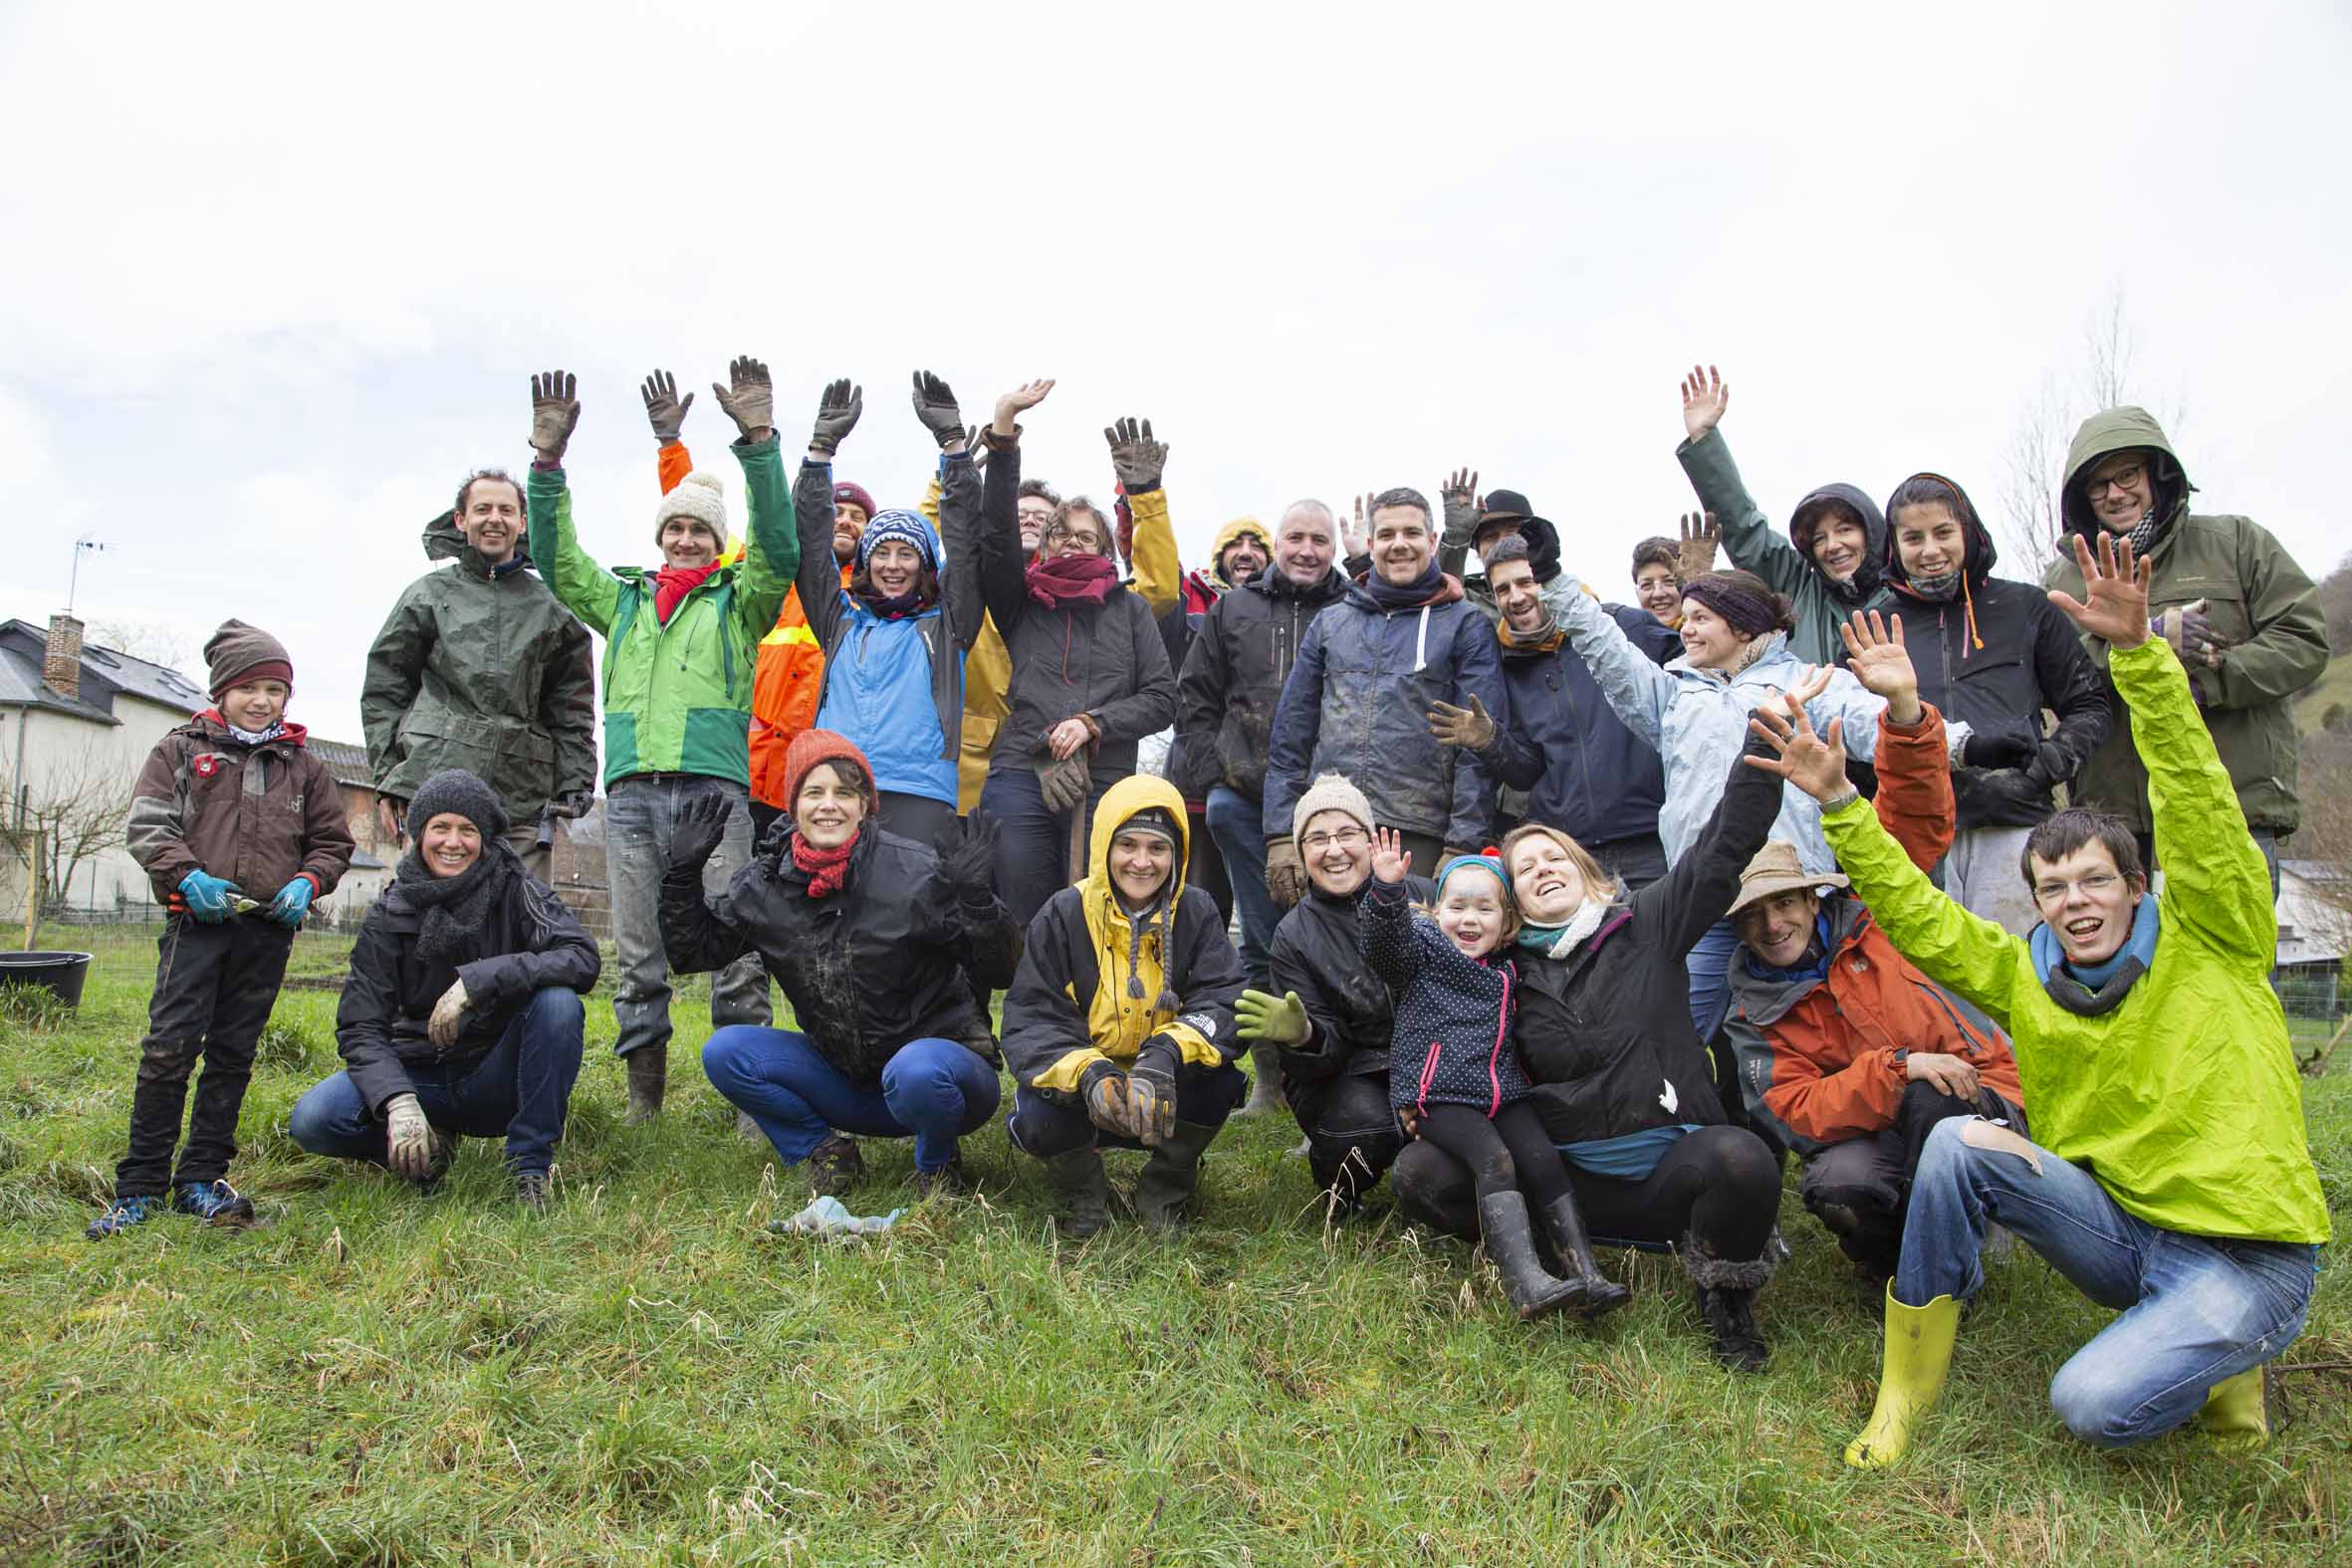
x: 455, y: 789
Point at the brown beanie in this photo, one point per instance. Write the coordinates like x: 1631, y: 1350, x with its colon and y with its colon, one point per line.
x: 237, y: 653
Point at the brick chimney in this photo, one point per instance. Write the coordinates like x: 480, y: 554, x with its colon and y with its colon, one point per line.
x: 61, y: 658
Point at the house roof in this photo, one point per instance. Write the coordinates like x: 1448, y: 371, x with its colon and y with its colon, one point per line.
x: 347, y: 762
x: 106, y: 675
x: 2315, y: 871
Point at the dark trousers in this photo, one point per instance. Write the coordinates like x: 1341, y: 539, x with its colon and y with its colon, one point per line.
x: 214, y: 987
x: 1861, y: 1187
x: 1719, y: 1183
x: 521, y: 1091
x: 1351, y: 1134
x: 1033, y: 853
x: 1204, y: 868
x: 1048, y: 1122
x: 1634, y: 862
x: 919, y: 817
x: 1510, y: 1153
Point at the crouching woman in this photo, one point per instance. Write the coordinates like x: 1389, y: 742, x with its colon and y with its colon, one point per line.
x: 461, y: 1016
x: 872, y: 938
x: 1119, y: 1026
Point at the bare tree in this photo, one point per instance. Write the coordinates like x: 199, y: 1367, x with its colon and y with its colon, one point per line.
x: 75, y: 810
x: 144, y: 639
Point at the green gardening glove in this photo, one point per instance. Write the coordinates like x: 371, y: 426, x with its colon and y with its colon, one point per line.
x: 1281, y: 1020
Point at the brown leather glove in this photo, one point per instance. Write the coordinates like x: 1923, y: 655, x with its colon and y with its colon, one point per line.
x: 1102, y: 1088
x: 1285, y: 877
x: 1063, y: 780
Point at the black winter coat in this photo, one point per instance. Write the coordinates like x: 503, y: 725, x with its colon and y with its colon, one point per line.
x: 1231, y: 681
x: 1353, y: 1014
x: 878, y: 963
x: 1606, y: 1032
x: 530, y: 942
x: 1585, y: 772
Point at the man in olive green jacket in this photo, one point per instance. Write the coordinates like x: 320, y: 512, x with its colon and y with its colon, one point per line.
x: 479, y: 668
x: 2243, y: 617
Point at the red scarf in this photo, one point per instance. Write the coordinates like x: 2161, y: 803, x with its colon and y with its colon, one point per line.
x: 673, y: 583
x: 1072, y: 580
x: 827, y: 868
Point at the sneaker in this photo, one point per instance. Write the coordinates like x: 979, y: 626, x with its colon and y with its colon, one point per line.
x: 534, y: 1190
x: 835, y: 1166
x: 214, y: 1201
x: 949, y: 1181
x: 121, y: 1215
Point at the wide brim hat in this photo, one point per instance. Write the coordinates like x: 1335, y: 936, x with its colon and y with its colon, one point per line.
x: 1776, y: 870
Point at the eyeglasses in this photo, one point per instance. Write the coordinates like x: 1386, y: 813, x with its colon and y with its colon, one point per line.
x: 2121, y: 479
x: 1345, y: 838
x: 1064, y: 534
x: 2096, y: 885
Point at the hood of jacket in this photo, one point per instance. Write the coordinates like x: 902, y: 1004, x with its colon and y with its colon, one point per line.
x: 1215, y: 570
x: 1978, y: 557
x: 1874, y: 530
x: 443, y: 540
x: 2117, y: 430
x: 1131, y: 794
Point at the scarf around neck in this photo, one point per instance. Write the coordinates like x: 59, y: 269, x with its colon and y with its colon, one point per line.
x: 893, y: 606
x: 453, y: 909
x: 673, y: 583
x: 1560, y: 941
x: 828, y: 869
x: 1410, y: 595
x: 255, y: 737
x: 1072, y: 580
x: 2088, y: 989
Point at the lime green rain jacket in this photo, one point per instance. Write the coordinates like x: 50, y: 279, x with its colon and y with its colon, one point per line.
x: 677, y: 696
x: 2183, y: 1102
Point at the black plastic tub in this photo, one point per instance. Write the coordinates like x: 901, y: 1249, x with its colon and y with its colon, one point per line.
x: 62, y: 972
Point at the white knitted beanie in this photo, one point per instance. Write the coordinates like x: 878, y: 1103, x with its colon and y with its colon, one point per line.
x: 698, y: 496
x: 1331, y: 792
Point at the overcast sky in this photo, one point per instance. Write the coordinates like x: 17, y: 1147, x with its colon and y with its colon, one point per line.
x: 277, y: 278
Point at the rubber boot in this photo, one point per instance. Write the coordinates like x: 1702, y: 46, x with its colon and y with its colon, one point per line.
x: 1727, y: 1290
x: 1081, y: 1190
x: 649, y: 1068
x: 1164, y: 1191
x: 1594, y: 1294
x: 1266, y: 1082
x: 2238, y: 1411
x: 1510, y: 1239
x: 1918, y: 1358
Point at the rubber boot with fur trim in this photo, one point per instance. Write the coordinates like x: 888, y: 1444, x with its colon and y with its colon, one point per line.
x: 649, y: 1070
x: 1266, y: 1082
x: 1163, y: 1192
x: 1727, y: 1301
x: 1082, y: 1191
x: 1918, y: 1359
x: 1564, y: 1221
x: 1510, y: 1239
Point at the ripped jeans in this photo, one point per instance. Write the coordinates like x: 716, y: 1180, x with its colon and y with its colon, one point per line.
x: 2195, y: 1310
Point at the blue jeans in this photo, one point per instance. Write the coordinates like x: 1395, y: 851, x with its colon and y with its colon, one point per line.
x: 1710, y: 965
x: 1046, y: 1124
x: 521, y: 1092
x: 641, y: 813
x: 934, y: 1089
x: 2197, y: 1310
x: 1236, y: 824
x: 1032, y: 856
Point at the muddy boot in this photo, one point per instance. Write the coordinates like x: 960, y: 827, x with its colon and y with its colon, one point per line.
x: 649, y: 1068
x: 1266, y: 1082
x: 1164, y: 1191
x: 1727, y: 1301
x: 1563, y: 1221
x: 1510, y: 1239
x: 1082, y: 1191
x: 835, y: 1166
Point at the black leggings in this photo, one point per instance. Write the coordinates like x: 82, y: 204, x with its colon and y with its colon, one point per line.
x: 1510, y: 1153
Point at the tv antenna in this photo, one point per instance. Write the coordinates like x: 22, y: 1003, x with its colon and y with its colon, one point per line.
x: 73, y: 580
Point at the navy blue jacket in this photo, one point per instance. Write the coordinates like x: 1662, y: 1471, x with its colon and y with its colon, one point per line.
x: 1585, y: 772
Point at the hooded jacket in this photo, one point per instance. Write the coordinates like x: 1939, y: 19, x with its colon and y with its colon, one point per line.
x: 482, y: 670
x: 1232, y: 677
x: 256, y: 815
x: 2183, y: 1100
x: 2001, y: 654
x: 1349, y: 1011
x: 1584, y: 771
x: 1090, y: 984
x: 678, y: 695
x: 1451, y: 1042
x: 889, y: 957
x: 1786, y: 564
x: 1357, y: 703
x: 529, y: 943
x: 2256, y: 598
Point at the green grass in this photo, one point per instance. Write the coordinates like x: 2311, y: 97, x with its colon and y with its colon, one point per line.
x: 643, y: 1375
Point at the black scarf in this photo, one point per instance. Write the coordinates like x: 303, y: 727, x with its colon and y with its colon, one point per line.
x: 451, y: 909
x: 1411, y: 595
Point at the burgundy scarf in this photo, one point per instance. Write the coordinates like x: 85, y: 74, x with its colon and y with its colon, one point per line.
x: 1072, y: 580
x: 827, y: 868
x: 673, y: 583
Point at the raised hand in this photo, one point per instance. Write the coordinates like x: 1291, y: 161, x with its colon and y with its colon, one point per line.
x: 1470, y: 727
x: 2117, y: 586
x: 1694, y: 557
x: 1137, y: 455
x: 1356, y: 539
x: 1876, y: 655
x: 836, y: 415
x: 555, y: 414
x: 1460, y: 496
x: 1811, y: 680
x: 663, y: 412
x: 1816, y: 764
x: 935, y: 406
x: 969, y: 866
x: 1389, y: 860
x: 1012, y: 405
x: 1705, y: 396
x: 701, y: 823
x: 751, y: 400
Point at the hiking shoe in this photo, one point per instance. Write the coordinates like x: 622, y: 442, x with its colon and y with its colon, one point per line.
x: 120, y: 1215
x: 948, y: 1181
x: 835, y: 1166
x: 214, y: 1201
x: 534, y: 1190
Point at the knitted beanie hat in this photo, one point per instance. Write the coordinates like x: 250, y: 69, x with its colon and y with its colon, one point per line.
x: 856, y: 495
x: 699, y: 496
x: 1153, y: 819
x: 906, y: 527
x: 813, y: 746
x: 1331, y: 792
x: 1744, y: 603
x: 455, y: 789
x: 237, y: 653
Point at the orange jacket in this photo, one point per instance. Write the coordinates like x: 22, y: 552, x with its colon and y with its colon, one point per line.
x: 1820, y: 1059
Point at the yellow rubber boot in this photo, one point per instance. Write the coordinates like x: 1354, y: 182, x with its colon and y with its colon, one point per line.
x: 2235, y: 1412
x: 1918, y: 1357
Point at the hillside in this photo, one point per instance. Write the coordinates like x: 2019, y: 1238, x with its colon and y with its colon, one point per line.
x: 2332, y: 688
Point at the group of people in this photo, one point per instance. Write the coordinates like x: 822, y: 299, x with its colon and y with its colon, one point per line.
x: 1575, y: 920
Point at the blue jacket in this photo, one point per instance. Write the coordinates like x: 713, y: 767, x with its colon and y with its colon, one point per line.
x: 1586, y: 774
x: 1357, y: 703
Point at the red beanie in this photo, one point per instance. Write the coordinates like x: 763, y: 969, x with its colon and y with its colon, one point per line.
x: 811, y: 746
x: 856, y: 496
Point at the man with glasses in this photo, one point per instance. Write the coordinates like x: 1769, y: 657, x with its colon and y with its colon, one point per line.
x: 2243, y: 616
x: 2169, y: 1177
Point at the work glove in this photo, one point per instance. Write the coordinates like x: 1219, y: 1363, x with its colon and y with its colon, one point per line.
x: 578, y: 803
x: 1981, y: 749
x: 836, y: 416
x: 2191, y: 633
x: 1281, y: 1020
x: 210, y: 899
x: 968, y: 867
x: 448, y: 1015
x: 1151, y: 1090
x: 662, y: 409
x: 1065, y: 780
x: 751, y: 400
x: 935, y: 406
x: 1460, y: 496
x: 293, y: 902
x: 555, y: 414
x: 1136, y: 455
x: 1470, y: 727
x: 1285, y: 876
x: 2009, y: 784
x: 408, y: 1137
x: 702, y: 823
x: 1543, y: 547
x: 1694, y: 555
x: 1103, y: 1089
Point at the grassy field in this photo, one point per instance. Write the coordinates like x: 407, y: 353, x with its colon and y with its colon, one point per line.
x: 642, y: 1375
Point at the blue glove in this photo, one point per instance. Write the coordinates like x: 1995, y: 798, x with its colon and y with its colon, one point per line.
x: 292, y: 903
x: 208, y: 896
